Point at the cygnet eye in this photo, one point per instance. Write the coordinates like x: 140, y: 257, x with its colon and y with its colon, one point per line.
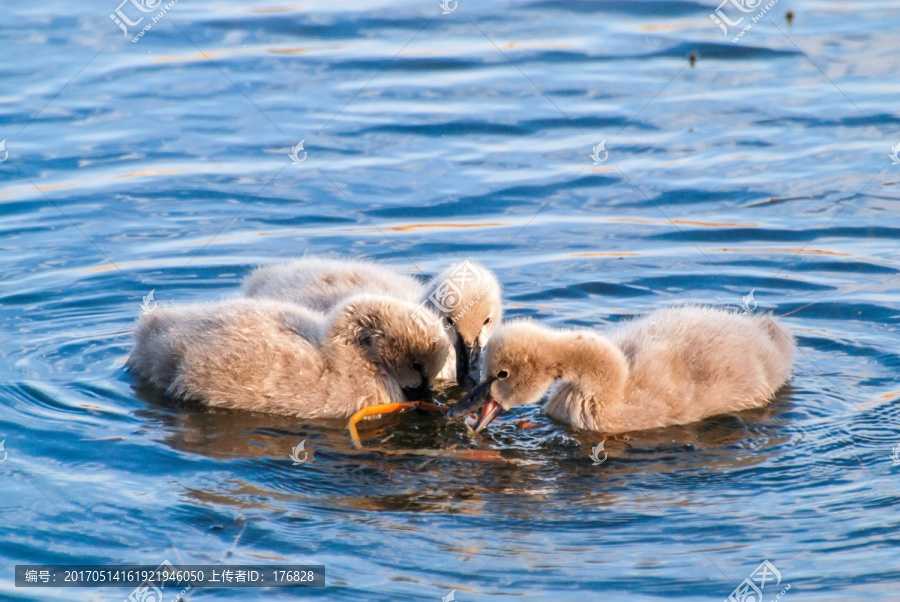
x: 487, y: 321
x: 448, y: 320
x: 502, y: 374
x: 416, y: 366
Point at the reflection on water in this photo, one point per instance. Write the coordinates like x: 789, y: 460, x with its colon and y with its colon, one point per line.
x: 419, y: 444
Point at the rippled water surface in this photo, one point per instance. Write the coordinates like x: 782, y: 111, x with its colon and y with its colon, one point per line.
x: 162, y: 165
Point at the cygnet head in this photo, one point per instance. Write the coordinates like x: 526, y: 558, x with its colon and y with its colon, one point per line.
x: 382, y: 327
x: 467, y: 295
x: 518, y: 368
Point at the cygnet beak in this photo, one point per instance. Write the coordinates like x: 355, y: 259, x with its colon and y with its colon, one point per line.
x: 467, y: 362
x: 422, y: 392
x: 478, y: 398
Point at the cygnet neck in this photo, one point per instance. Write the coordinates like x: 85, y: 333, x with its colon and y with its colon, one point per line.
x: 594, y: 373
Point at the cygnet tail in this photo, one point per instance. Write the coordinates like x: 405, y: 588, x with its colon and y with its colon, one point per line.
x: 782, y: 359
x: 153, y: 356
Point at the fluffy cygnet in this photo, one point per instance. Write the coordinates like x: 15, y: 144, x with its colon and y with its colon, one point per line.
x: 673, y: 366
x: 466, y: 295
x: 271, y: 356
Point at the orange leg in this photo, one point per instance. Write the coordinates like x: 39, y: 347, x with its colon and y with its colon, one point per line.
x: 431, y: 407
x: 382, y: 408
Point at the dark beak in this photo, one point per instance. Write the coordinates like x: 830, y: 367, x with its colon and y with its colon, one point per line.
x: 420, y: 393
x: 467, y: 362
x: 478, y: 398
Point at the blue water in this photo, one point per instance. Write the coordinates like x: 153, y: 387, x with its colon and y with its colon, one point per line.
x: 162, y: 165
